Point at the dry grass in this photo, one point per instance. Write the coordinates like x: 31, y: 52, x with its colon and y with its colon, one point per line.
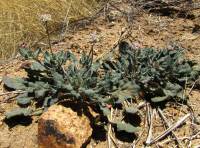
x: 20, y: 19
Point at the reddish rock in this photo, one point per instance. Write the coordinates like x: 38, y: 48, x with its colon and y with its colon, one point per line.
x: 61, y: 127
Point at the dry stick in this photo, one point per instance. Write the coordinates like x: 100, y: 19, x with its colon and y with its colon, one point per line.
x: 135, y: 142
x: 192, y: 137
x: 195, y: 136
x: 170, y: 129
x: 110, y: 130
x: 12, y: 92
x: 168, y: 125
x: 48, y: 36
x: 65, y: 21
x: 141, y: 105
x: 193, y: 86
x: 150, y: 123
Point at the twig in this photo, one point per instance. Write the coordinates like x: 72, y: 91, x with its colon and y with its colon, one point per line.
x: 141, y: 104
x: 110, y: 130
x: 170, y: 129
x: 150, y: 123
x: 182, y: 138
x: 167, y: 124
x: 12, y: 92
x: 133, y: 145
x: 48, y: 36
x: 192, y: 137
x: 64, y: 29
x: 193, y: 86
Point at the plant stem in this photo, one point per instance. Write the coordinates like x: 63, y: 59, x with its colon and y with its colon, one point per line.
x: 48, y: 36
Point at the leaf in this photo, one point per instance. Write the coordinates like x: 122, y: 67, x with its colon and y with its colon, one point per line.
x: 105, y: 110
x: 127, y: 127
x: 14, y: 83
x: 128, y: 90
x: 184, y: 69
x: 58, y: 79
x: 87, y: 92
x: 40, y: 93
x: 46, y: 102
x: 47, y: 57
x: 72, y: 57
x: 37, y: 112
x: 37, y: 67
x: 172, y: 89
x: 67, y: 87
x: 26, y: 53
x: 159, y: 99
x: 18, y: 112
x: 36, y: 53
x: 131, y: 110
x: 53, y: 101
x: 23, y: 99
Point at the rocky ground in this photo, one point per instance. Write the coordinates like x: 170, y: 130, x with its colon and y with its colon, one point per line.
x: 148, y: 30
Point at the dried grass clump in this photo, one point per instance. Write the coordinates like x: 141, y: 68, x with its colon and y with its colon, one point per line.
x: 20, y: 19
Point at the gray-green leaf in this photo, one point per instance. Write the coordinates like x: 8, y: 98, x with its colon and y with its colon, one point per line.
x: 37, y: 66
x: 18, y: 112
x: 131, y: 110
x: 24, y: 100
x: 159, y: 99
x: 14, y: 83
x: 127, y: 127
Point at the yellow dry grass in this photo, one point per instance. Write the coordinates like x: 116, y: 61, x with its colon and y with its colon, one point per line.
x: 20, y: 19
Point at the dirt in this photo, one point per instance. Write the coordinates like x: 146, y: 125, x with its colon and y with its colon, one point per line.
x: 148, y: 30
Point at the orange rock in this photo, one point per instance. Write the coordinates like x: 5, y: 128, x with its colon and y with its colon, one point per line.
x: 61, y: 127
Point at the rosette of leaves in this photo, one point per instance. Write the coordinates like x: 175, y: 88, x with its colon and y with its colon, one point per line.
x: 50, y: 76
x: 54, y: 77
x: 161, y: 74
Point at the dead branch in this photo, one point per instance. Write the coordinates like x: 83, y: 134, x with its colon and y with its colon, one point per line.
x: 167, y: 124
x: 12, y: 92
x: 170, y: 129
x: 150, y: 115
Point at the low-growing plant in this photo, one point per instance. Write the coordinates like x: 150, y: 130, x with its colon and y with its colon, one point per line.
x: 153, y: 75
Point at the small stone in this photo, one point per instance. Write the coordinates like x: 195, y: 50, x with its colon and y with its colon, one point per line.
x: 60, y: 127
x: 111, y: 24
x: 99, y: 29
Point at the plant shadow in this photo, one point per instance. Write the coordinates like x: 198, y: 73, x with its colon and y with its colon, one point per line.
x: 18, y: 120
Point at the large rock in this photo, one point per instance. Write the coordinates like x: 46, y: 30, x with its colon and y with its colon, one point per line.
x: 61, y: 127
